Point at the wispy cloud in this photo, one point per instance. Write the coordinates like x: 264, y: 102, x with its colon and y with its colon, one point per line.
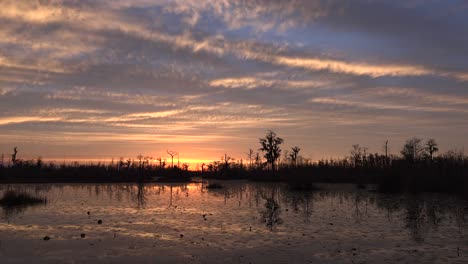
x: 217, y: 74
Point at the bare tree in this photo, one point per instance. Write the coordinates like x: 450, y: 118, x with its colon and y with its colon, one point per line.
x: 172, y: 154
x: 226, y: 160
x: 386, y: 162
x: 413, y: 149
x: 140, y: 160
x: 294, y: 154
x: 120, y: 164
x: 386, y: 149
x: 287, y: 157
x: 356, y: 155
x: 364, y: 156
x: 270, y: 145
x: 431, y: 147
x: 250, y: 156
x: 160, y: 161
x: 13, y: 156
x: 147, y: 161
x: 258, y: 160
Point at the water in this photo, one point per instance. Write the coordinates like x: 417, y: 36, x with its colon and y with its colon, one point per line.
x: 243, y: 222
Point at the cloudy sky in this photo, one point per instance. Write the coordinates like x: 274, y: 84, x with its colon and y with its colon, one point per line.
x: 102, y: 79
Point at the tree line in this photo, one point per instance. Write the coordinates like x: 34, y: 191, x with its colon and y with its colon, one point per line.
x: 418, y: 167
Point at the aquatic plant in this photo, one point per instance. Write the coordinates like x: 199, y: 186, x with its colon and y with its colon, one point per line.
x: 15, y: 202
x: 13, y: 198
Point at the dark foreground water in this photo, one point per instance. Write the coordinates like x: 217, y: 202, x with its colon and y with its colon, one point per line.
x: 243, y: 222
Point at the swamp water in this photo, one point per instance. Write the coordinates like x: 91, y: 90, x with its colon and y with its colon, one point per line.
x: 244, y: 222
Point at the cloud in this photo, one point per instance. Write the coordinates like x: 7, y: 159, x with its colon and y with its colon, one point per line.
x: 384, y: 106
x: 215, y: 45
x: 230, y: 70
x: 25, y: 119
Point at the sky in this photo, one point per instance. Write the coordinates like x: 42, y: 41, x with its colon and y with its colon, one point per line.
x: 94, y: 80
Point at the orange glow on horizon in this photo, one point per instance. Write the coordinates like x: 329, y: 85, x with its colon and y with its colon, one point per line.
x: 193, y: 163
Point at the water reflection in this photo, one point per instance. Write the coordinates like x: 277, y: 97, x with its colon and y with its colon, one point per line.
x: 301, y: 203
x: 15, y: 201
x: 10, y: 211
x: 271, y: 212
x: 276, y: 205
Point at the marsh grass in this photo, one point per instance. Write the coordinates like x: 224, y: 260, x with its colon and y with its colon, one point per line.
x: 15, y: 202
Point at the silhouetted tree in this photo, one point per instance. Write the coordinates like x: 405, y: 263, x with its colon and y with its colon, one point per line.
x: 386, y: 148
x: 160, y: 160
x: 371, y: 160
x: 211, y: 167
x: 147, y: 161
x: 140, y: 160
x: 386, y: 153
x: 258, y: 160
x: 356, y: 155
x: 13, y: 156
x: 250, y: 156
x: 287, y: 157
x: 271, y: 147
x: 120, y: 164
x: 39, y: 162
x: 454, y: 155
x: 431, y: 147
x: 294, y: 154
x: 364, y: 156
x: 413, y: 149
x: 226, y: 161
x: 172, y: 154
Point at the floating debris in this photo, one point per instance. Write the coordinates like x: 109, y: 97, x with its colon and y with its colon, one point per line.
x: 46, y: 238
x: 83, y: 235
x: 99, y: 221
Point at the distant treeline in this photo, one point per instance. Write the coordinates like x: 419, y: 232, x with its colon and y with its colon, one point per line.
x: 417, y: 169
x: 130, y: 170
